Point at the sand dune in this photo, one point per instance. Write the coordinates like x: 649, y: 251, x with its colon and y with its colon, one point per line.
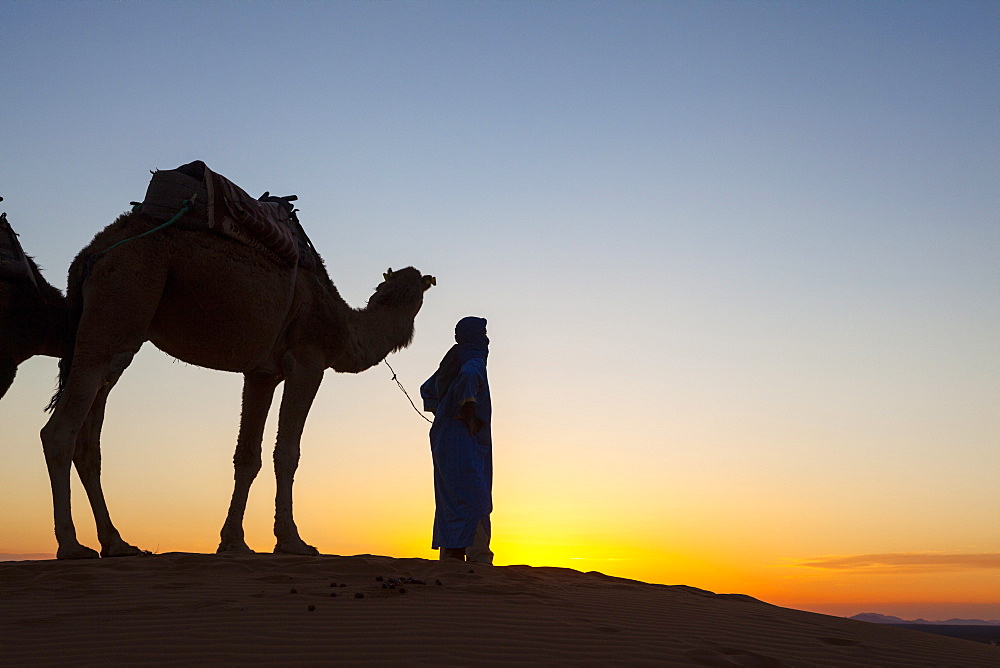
x: 181, y: 608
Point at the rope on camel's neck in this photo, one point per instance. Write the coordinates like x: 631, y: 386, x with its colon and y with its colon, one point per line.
x: 405, y: 392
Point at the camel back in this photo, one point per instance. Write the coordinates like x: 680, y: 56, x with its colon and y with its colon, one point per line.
x: 13, y: 262
x: 223, y: 207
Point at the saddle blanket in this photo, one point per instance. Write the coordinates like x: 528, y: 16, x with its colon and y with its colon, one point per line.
x: 221, y: 206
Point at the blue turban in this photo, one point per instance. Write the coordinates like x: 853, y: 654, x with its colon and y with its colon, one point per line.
x: 471, y: 339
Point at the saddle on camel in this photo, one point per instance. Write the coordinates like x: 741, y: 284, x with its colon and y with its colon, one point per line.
x: 210, y: 201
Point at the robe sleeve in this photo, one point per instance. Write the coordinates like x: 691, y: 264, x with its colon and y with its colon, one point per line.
x: 469, y: 382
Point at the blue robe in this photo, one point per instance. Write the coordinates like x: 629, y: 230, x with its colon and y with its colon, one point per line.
x: 463, y: 463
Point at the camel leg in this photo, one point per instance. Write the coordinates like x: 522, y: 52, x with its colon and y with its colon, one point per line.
x: 87, y: 458
x: 258, y: 391
x: 59, y: 438
x: 302, y: 379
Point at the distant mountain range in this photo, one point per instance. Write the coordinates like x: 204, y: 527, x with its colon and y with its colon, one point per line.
x: 876, y: 618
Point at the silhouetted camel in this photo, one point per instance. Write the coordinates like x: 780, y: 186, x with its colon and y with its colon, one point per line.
x: 213, y: 302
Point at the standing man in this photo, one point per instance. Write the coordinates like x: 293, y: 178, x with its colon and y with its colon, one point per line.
x: 461, y: 447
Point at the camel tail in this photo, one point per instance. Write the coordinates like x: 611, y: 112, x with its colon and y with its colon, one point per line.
x: 64, y: 365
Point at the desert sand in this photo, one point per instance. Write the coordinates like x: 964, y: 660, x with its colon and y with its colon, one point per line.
x: 202, y: 609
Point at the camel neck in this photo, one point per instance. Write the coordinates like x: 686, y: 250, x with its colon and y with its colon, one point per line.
x: 373, y: 333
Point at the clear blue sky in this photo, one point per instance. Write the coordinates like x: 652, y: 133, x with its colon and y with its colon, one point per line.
x: 741, y: 263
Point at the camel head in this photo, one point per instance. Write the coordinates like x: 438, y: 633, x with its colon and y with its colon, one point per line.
x: 401, y: 293
x: 405, y: 286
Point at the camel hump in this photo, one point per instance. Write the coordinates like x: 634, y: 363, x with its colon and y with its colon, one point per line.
x: 13, y: 262
x: 223, y: 207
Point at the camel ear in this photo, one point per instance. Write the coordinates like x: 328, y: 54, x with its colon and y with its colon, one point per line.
x: 387, y: 275
x: 429, y: 281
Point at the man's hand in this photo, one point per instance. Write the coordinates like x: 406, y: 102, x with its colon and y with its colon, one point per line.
x: 467, y: 414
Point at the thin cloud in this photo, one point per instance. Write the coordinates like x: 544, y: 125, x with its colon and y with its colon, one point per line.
x: 906, y: 562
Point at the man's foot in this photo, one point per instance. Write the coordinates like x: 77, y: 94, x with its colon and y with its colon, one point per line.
x: 453, y: 553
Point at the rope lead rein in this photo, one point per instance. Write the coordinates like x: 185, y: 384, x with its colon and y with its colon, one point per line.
x: 405, y: 392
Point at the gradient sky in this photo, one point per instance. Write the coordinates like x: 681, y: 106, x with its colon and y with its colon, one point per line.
x: 740, y: 261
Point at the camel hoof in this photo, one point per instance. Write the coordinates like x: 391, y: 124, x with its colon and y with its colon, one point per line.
x: 296, y: 548
x: 124, y: 550
x: 234, y: 548
x: 77, y: 552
